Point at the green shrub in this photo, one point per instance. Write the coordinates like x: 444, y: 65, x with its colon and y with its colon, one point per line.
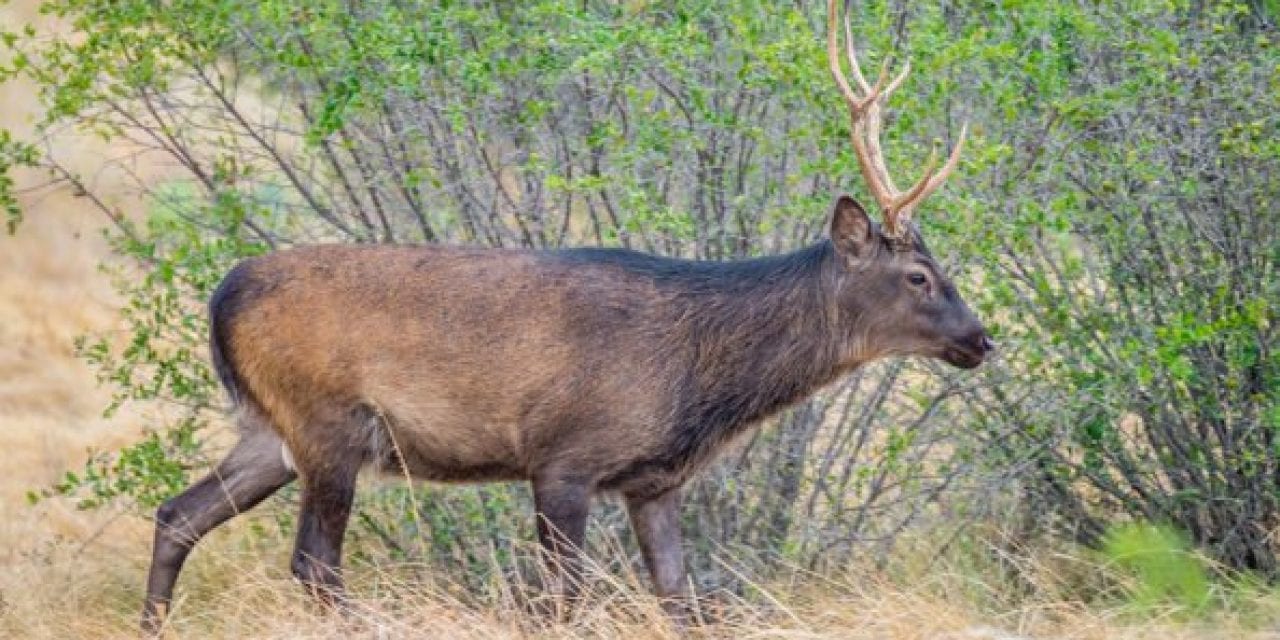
x: 1163, y: 569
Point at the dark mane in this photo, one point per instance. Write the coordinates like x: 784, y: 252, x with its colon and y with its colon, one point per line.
x: 742, y: 321
x: 707, y: 276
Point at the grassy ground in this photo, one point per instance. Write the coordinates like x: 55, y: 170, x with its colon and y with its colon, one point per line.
x: 237, y: 586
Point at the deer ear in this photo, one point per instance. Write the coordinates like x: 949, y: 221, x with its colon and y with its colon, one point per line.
x: 852, y: 232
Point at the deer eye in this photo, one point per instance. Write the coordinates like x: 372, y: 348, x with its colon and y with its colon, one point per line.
x: 917, y: 279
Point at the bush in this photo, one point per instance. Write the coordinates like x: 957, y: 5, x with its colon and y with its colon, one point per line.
x: 1134, y: 259
x: 1162, y: 568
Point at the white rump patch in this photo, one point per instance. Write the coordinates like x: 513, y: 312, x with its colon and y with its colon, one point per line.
x: 287, y: 457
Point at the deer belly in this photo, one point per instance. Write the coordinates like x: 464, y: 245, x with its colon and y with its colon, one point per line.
x: 446, y: 443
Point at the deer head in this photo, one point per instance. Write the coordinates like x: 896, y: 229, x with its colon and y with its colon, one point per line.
x: 904, y: 301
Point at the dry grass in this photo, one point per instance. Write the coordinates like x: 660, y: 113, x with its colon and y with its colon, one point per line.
x: 50, y: 292
x: 237, y: 585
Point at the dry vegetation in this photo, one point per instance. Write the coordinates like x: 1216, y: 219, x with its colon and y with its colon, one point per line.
x: 238, y: 586
x: 73, y: 574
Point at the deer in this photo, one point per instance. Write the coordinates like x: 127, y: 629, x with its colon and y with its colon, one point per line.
x: 583, y: 371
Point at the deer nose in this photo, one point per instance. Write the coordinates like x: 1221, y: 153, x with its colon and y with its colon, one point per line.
x: 980, y: 342
x: 986, y: 344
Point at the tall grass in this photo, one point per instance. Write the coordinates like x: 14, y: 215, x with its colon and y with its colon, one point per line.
x: 237, y: 584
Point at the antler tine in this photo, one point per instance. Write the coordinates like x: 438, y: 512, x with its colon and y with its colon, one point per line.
x: 853, y: 56
x: 931, y: 181
x: 953, y: 161
x: 833, y: 60
x: 893, y: 86
x: 904, y: 205
x: 858, y: 104
x: 884, y: 68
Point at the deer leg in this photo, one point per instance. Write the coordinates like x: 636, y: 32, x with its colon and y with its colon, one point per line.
x: 252, y: 471
x: 328, y: 491
x: 656, y: 522
x: 562, y: 503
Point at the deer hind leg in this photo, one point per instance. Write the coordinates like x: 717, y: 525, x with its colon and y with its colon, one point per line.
x: 328, y: 468
x: 252, y: 471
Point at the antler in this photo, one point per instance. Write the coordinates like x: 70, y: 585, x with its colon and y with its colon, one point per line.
x: 864, y: 111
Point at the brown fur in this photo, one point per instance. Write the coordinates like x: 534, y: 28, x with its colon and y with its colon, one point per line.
x: 582, y: 371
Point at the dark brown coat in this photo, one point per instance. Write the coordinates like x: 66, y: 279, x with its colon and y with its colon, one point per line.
x: 582, y: 370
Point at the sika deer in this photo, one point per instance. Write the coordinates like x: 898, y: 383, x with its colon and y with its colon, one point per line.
x: 582, y: 371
